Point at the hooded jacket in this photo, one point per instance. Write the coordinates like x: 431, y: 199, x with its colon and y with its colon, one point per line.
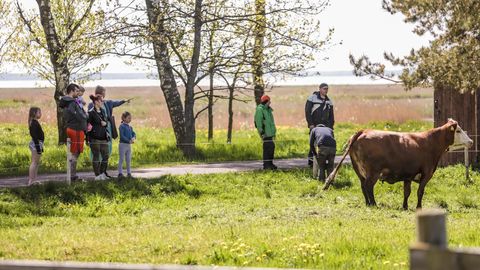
x: 74, y: 117
x: 264, y: 121
x: 319, y: 111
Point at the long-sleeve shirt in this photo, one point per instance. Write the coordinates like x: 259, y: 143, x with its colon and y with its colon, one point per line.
x: 319, y: 110
x: 74, y: 116
x: 36, y: 132
x: 108, y: 105
x: 126, y: 133
x: 322, y: 136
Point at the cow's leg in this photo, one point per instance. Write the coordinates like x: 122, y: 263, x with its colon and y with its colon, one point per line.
x: 363, y: 181
x: 406, y: 193
x: 421, y: 188
x: 370, y: 183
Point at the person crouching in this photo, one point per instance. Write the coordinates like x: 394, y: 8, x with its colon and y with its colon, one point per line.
x: 323, y: 138
x: 98, y: 137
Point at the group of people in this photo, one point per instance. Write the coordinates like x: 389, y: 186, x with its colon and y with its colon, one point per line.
x: 319, y: 115
x: 97, y: 127
x: 94, y: 126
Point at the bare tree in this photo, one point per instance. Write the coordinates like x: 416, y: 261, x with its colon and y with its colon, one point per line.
x: 162, y: 16
x: 60, y: 41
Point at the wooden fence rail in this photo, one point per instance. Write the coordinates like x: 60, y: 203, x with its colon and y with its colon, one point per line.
x: 50, y: 265
x: 431, y: 250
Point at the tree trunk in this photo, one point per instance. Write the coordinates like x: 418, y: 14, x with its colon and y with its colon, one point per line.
x: 258, y: 49
x: 62, y: 77
x: 210, y: 108
x: 192, y: 76
x: 211, y: 70
x: 59, y: 63
x: 230, y: 113
x: 166, y: 76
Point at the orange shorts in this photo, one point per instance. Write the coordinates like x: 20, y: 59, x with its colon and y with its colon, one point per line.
x: 77, y: 138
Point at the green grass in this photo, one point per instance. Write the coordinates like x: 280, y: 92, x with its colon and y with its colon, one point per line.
x: 156, y: 147
x: 267, y: 219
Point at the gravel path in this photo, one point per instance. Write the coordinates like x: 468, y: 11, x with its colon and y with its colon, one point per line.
x: 205, y: 168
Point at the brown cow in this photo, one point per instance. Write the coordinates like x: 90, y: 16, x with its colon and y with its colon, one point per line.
x: 397, y: 156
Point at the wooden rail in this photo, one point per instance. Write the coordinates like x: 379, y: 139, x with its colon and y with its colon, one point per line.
x: 431, y: 250
x: 50, y: 265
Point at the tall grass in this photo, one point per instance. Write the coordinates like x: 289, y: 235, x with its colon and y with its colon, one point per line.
x: 157, y: 147
x: 264, y: 219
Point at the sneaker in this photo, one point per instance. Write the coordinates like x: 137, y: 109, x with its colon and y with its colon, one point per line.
x: 129, y: 175
x: 120, y: 175
x: 99, y: 177
x: 274, y: 167
x: 106, y: 175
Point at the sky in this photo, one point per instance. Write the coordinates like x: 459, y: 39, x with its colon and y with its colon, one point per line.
x: 362, y: 26
x: 365, y: 28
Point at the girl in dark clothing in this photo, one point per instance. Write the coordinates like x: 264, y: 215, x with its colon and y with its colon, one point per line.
x: 98, y: 137
x: 36, y: 145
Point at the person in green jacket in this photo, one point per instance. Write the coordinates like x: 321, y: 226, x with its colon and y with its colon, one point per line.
x: 265, y: 125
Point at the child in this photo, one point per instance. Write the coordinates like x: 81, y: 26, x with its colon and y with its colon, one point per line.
x: 36, y: 145
x: 127, y: 137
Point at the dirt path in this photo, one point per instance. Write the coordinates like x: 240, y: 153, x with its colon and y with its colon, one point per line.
x: 207, y: 168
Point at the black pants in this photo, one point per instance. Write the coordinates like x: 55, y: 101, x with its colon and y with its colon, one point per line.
x: 268, y: 152
x: 99, y: 150
x: 326, y: 160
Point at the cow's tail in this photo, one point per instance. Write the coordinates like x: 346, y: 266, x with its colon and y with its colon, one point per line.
x: 332, y: 176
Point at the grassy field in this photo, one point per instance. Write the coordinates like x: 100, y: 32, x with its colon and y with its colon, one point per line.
x: 268, y: 219
x: 356, y: 107
x: 156, y: 146
x: 359, y: 104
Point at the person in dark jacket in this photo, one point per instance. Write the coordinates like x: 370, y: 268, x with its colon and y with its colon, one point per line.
x: 75, y: 119
x: 322, y: 137
x: 265, y: 125
x: 319, y: 110
x: 36, y: 145
x: 107, y: 107
x: 98, y: 137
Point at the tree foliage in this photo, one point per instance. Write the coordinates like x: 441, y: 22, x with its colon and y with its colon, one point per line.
x: 78, y: 28
x: 453, y: 55
x: 7, y: 29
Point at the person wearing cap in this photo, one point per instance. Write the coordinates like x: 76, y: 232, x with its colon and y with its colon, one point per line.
x: 319, y: 110
x: 265, y: 125
x: 322, y: 138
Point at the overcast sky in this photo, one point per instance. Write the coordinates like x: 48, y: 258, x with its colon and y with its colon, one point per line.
x: 365, y: 28
x: 362, y: 26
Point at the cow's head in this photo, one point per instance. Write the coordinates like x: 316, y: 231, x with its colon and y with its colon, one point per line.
x: 460, y: 139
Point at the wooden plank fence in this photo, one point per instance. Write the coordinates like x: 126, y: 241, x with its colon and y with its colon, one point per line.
x: 431, y: 250
x: 51, y: 265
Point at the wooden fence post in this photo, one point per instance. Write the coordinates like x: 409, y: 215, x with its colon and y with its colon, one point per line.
x: 69, y: 161
x: 431, y: 227
x: 467, y: 164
